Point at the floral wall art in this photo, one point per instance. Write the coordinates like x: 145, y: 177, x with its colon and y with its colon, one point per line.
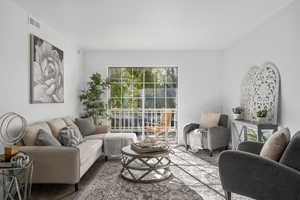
x: 47, y: 72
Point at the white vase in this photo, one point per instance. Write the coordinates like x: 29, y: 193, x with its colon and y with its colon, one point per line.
x: 261, y: 120
x: 236, y: 116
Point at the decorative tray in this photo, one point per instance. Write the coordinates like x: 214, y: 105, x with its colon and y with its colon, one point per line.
x: 149, y: 148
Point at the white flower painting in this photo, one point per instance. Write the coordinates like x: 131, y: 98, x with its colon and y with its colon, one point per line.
x: 47, y: 72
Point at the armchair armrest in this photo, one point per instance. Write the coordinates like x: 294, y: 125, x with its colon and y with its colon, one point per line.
x: 251, y: 147
x: 217, y: 137
x: 54, y: 164
x: 253, y: 176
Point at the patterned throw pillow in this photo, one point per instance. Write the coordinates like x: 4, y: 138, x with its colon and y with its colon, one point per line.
x: 69, y: 136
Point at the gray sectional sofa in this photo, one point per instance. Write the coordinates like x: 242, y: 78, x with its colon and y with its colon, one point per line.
x: 61, y: 164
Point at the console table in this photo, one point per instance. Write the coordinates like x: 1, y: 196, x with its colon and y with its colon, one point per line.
x: 239, y: 130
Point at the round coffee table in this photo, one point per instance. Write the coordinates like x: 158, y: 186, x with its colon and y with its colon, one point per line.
x: 145, y: 167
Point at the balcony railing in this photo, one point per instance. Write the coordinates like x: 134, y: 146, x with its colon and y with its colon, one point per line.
x: 132, y: 120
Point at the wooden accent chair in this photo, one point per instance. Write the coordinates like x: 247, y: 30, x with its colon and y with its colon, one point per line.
x: 161, y: 126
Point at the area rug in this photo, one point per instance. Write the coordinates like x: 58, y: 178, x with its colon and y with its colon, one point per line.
x: 195, y: 177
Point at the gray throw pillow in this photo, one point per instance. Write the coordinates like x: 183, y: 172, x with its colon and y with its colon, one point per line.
x: 69, y: 136
x: 86, y: 126
x: 45, y: 139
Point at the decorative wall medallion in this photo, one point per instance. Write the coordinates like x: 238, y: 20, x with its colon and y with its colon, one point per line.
x: 47, y: 72
x: 260, y: 90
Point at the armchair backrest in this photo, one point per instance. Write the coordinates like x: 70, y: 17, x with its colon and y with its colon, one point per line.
x: 165, y: 119
x: 223, y: 121
x: 291, y: 154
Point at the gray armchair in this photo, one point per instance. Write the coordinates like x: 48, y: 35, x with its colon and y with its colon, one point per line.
x: 212, y: 138
x: 245, y: 172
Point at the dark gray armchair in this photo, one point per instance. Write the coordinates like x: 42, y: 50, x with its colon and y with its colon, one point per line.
x: 213, y: 138
x: 245, y: 172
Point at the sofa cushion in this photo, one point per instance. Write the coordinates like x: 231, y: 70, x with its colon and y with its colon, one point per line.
x: 86, y: 126
x: 32, y: 130
x: 46, y: 139
x: 209, y: 120
x: 56, y: 125
x: 69, y: 121
x: 69, y: 136
x: 276, y: 144
x: 89, y: 148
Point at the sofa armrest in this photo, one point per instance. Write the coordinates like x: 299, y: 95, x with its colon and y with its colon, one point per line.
x: 251, y: 147
x: 54, y: 164
x: 253, y: 176
x: 217, y: 137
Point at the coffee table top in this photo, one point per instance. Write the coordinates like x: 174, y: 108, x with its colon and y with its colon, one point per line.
x: 128, y: 151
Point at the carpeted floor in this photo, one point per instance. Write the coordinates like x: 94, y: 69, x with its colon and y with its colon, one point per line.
x: 195, y: 178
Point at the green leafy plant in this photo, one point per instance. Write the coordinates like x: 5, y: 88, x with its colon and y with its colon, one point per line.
x: 237, y: 110
x: 91, y: 98
x: 262, y: 113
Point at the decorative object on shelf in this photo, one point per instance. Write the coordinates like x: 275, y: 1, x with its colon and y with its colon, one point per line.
x: 260, y: 90
x: 261, y: 115
x: 150, y: 140
x: 47, y: 72
x: 237, y: 112
x: 10, y: 151
x: 12, y: 128
x: 91, y: 98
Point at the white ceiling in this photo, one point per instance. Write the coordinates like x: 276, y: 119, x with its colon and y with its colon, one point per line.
x: 153, y: 24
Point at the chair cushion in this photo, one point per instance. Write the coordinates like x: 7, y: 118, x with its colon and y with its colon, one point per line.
x: 56, y: 125
x: 89, y: 148
x: 69, y: 136
x: 209, y: 120
x: 46, y: 139
x: 276, y: 144
x: 86, y: 126
x: 31, y: 132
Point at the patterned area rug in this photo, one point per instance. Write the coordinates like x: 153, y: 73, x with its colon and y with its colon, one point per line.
x: 195, y: 178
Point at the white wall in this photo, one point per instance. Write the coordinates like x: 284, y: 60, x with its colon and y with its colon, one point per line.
x: 198, y: 84
x: 15, y: 69
x: 277, y: 40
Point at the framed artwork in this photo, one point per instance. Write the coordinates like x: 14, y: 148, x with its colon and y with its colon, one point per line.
x: 46, y: 72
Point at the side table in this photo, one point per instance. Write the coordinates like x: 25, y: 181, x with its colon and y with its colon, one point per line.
x: 15, y: 182
x: 145, y: 167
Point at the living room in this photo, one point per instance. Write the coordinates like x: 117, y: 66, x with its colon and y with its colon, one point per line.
x: 165, y: 67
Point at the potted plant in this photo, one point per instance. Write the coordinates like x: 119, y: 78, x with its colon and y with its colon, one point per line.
x: 91, y: 98
x: 237, y: 112
x: 261, y: 115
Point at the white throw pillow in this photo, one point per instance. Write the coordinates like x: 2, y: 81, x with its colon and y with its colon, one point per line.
x: 209, y: 120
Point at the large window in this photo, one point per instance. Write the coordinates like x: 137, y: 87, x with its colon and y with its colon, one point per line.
x: 144, y: 100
